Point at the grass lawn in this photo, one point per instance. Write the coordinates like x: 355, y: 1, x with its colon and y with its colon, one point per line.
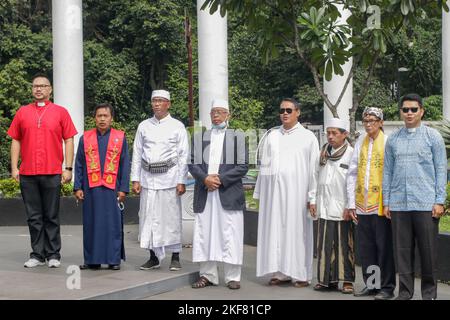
x: 444, y: 224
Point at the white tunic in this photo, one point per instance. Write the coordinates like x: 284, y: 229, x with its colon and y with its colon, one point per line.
x: 160, y: 207
x: 160, y: 140
x: 331, y: 189
x: 218, y: 233
x: 286, y: 183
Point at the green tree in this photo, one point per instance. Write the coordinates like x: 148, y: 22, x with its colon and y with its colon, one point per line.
x: 311, y: 31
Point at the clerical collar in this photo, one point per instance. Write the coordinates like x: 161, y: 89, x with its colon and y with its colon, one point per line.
x: 41, y: 104
x: 289, y: 131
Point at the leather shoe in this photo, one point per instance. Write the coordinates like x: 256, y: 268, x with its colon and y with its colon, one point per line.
x: 234, y: 285
x: 320, y: 287
x: 384, y: 295
x: 366, y: 292
x: 114, y: 267
x: 90, y: 266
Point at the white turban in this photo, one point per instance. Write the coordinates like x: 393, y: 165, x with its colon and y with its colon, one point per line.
x: 161, y: 94
x: 336, y: 123
x: 220, y: 103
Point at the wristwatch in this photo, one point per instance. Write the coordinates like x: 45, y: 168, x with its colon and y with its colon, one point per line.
x: 68, y: 168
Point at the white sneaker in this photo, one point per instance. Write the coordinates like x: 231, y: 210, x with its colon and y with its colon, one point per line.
x: 54, y: 263
x: 32, y: 262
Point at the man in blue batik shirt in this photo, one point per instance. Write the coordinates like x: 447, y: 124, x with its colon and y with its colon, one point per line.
x: 414, y: 181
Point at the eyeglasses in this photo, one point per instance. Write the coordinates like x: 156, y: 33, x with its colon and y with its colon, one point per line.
x: 371, y: 122
x: 156, y: 101
x: 413, y: 110
x: 40, y: 86
x: 219, y: 112
x: 288, y: 110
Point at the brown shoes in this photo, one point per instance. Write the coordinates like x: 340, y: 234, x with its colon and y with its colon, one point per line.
x: 277, y: 282
x: 234, y: 285
x: 301, y: 284
x: 202, y: 283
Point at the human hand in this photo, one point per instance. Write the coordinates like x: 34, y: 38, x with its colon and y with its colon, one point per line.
x: 15, y: 174
x: 438, y: 210
x: 79, y: 195
x: 136, y: 187
x: 312, y: 210
x: 212, y: 182
x: 181, y: 189
x: 387, y: 212
x: 352, y: 214
x: 121, y: 196
x: 66, y: 176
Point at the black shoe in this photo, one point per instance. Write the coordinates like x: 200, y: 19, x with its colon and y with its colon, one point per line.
x: 323, y: 288
x: 384, y: 295
x: 152, y: 263
x: 366, y: 292
x: 175, y: 264
x: 90, y: 266
x: 114, y: 267
x: 401, y: 297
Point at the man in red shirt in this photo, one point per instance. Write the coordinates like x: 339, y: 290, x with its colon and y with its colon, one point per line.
x: 37, y: 132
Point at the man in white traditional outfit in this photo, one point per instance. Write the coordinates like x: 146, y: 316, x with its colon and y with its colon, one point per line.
x: 286, y: 187
x: 335, y: 254
x: 219, y: 199
x: 159, y: 173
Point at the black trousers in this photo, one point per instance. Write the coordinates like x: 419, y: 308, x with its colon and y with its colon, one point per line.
x: 411, y: 228
x: 375, y: 248
x: 41, y: 197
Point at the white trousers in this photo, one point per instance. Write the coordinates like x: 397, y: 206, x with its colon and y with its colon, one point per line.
x: 208, y: 269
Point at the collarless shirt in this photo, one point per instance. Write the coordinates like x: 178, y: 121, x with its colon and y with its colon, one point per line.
x: 156, y: 141
x: 40, y: 131
x: 415, y: 170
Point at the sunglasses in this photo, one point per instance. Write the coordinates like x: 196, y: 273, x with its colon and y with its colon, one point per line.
x: 413, y: 110
x: 288, y: 110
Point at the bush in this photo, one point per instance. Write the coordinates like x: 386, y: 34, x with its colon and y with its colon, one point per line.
x: 9, y: 188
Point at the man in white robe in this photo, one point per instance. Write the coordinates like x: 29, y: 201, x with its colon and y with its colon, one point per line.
x: 219, y: 199
x: 159, y: 173
x: 286, y: 187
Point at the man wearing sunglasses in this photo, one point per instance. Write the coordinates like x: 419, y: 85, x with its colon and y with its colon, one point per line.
x: 365, y: 205
x: 414, y: 181
x: 286, y: 187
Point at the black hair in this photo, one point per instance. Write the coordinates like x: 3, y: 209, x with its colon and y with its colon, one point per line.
x: 411, y: 97
x: 104, y: 106
x: 41, y: 75
x: 293, y: 101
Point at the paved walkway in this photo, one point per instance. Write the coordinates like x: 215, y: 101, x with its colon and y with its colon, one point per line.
x: 18, y: 282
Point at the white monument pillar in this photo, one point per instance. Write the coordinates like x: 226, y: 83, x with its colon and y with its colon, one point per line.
x: 446, y: 64
x: 212, y: 60
x: 67, y: 30
x: 334, y: 87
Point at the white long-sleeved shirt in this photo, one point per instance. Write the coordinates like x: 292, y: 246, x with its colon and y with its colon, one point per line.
x: 331, y: 192
x: 160, y: 140
x: 353, y: 173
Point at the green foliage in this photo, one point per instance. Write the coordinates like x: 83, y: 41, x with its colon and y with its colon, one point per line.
x: 67, y: 190
x: 9, y: 188
x: 14, y: 88
x: 245, y: 112
x: 5, y: 144
x: 113, y: 78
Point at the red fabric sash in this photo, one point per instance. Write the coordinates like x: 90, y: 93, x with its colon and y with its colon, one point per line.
x: 112, y: 159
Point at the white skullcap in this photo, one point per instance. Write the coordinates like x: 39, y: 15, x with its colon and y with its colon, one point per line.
x: 336, y: 123
x: 161, y: 94
x: 220, y: 103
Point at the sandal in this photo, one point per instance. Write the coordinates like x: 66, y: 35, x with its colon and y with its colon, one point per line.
x: 301, y: 284
x: 201, y: 283
x: 277, y: 282
x: 347, y: 288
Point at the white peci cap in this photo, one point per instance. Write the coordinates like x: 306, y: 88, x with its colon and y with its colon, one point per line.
x: 161, y: 94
